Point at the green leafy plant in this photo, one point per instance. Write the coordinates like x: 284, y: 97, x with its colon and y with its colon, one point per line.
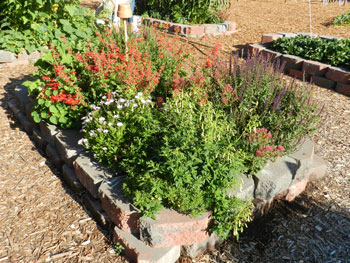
x: 332, y: 51
x: 342, y: 20
x: 188, y: 12
x: 118, y: 248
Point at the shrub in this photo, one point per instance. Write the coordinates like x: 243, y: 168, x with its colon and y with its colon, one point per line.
x: 72, y: 78
x: 331, y: 51
x: 342, y: 20
x: 28, y: 25
x: 187, y: 12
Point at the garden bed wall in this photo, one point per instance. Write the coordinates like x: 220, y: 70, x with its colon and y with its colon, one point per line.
x: 195, y: 31
x: 324, y: 75
x: 171, y: 234
x: 24, y: 58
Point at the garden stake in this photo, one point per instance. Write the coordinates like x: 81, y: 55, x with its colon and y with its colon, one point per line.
x: 124, y: 12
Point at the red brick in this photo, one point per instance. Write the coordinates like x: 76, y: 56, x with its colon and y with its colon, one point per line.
x: 270, y: 55
x: 292, y: 62
x: 267, y: 38
x: 171, y: 228
x: 231, y: 26
x: 210, y: 29
x: 253, y: 49
x: 343, y: 88
x: 299, y: 74
x: 315, y: 68
x: 195, y: 30
x: 338, y: 75
x: 176, y: 29
x: 120, y: 210
x: 323, y: 82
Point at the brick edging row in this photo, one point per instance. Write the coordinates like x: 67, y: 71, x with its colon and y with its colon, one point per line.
x: 321, y: 74
x: 171, y: 234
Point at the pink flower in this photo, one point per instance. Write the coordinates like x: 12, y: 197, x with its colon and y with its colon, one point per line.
x: 260, y: 154
x: 280, y: 148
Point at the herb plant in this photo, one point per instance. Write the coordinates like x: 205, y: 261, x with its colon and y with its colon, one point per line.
x: 342, y: 20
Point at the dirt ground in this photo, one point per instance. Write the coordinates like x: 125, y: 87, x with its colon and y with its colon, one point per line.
x: 41, y: 220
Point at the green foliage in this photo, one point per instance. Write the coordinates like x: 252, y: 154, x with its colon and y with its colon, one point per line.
x: 332, y: 51
x: 118, y: 248
x: 342, y: 20
x: 30, y: 25
x: 184, y: 11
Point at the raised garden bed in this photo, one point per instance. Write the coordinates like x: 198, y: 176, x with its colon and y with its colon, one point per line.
x: 170, y: 234
x: 324, y: 75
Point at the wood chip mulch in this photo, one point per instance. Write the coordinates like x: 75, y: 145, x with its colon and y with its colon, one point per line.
x: 43, y: 221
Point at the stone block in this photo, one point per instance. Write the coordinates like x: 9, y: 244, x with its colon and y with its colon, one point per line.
x: 66, y: 142
x: 28, y: 110
x: 305, y: 151
x: 176, y: 29
x: 13, y: 107
x: 48, y: 131
x: 287, y: 34
x: 267, y: 38
x: 196, y: 249
x: 41, y: 142
x: 254, y: 49
x: 193, y: 31
x: 323, y: 82
x: 297, y: 187
x: 343, y: 88
x: 221, y: 28
x: 231, y: 26
x: 307, y: 34
x: 171, y: 228
x: 90, y: 173
x: 7, y: 57
x: 318, y: 169
x: 338, y: 74
x: 119, y: 209
x: 299, y: 75
x: 23, y: 56
x: 275, y: 178
x: 27, y: 125
x: 210, y: 29
x: 245, y: 190
x: 315, y: 68
x: 54, y: 156
x: 71, y: 179
x: 34, y: 56
x: 22, y: 97
x: 330, y: 37
x: 291, y: 62
x: 94, y: 207
x: 270, y: 55
x: 136, y: 251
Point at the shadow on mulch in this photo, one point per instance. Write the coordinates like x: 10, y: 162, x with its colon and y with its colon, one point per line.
x: 14, y: 124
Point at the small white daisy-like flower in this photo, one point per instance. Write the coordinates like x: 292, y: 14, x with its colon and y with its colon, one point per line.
x: 104, y: 97
x: 119, y: 124
x: 122, y: 100
x: 110, y: 124
x: 92, y: 133
x: 93, y: 106
x: 104, y: 148
x: 116, y: 116
x: 98, y: 108
x: 101, y: 119
x: 119, y: 107
x: 140, y: 94
x: 148, y: 101
x: 80, y: 142
x: 102, y: 102
x: 99, y: 129
x: 105, y: 131
x: 134, y: 105
x: 107, y: 102
x: 143, y: 101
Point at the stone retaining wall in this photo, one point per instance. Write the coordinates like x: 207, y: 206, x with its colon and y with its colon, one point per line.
x: 22, y: 59
x: 170, y: 234
x: 226, y: 28
x: 324, y: 75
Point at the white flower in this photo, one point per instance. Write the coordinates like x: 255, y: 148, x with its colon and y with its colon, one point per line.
x: 134, y: 105
x: 119, y: 124
x: 98, y: 108
x: 105, y: 131
x: 104, y: 97
x: 102, y: 102
x: 92, y: 133
x: 100, y: 129
x: 104, y: 148
x: 107, y: 102
x: 110, y: 124
x: 140, y: 94
x: 101, y: 119
x: 116, y: 116
x: 119, y: 107
x: 148, y: 101
x: 80, y: 142
x: 122, y: 100
x: 93, y: 107
x: 143, y: 101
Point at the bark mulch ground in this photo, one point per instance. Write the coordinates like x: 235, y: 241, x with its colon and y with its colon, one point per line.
x: 43, y: 221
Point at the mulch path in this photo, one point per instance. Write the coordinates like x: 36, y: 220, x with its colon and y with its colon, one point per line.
x: 43, y: 221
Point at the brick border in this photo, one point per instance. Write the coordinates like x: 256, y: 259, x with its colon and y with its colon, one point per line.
x: 161, y: 240
x: 194, y: 31
x: 323, y: 75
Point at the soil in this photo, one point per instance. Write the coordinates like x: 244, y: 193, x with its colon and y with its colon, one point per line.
x: 43, y: 221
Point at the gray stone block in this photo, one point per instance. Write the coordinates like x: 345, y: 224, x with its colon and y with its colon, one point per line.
x: 119, y: 209
x: 54, y: 156
x: 245, y: 189
x: 275, y: 178
x: 13, y: 107
x: 66, y: 142
x: 221, y: 28
x: 71, y: 179
x: 197, y: 249
x: 318, y: 169
x: 27, y: 125
x: 305, y: 151
x: 7, y: 57
x: 286, y: 34
x: 330, y: 37
x: 42, y: 143
x: 94, y: 207
x: 48, y: 132
x: 136, y: 251
x: 34, y: 56
x: 90, y: 173
x: 22, y: 97
x: 307, y: 34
